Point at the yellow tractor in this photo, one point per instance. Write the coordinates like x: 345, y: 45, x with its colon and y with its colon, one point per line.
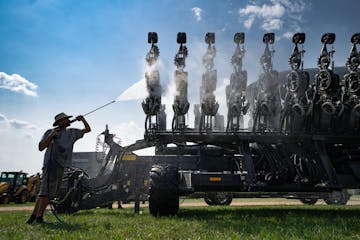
x: 17, y: 187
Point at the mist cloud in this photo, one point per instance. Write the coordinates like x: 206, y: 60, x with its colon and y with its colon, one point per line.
x: 137, y: 91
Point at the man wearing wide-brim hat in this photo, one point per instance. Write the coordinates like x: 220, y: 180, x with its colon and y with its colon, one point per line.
x: 58, y: 143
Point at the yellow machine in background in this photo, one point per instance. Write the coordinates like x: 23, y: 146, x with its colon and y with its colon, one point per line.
x: 17, y: 187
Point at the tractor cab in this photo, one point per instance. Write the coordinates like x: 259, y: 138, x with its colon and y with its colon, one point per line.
x: 13, y: 187
x: 15, y: 179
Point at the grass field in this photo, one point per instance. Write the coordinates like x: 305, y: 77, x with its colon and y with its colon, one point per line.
x: 255, y: 222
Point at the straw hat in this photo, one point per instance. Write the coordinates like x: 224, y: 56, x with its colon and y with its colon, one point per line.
x: 59, y: 117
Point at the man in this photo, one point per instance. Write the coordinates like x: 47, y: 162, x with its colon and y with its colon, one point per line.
x: 59, y: 144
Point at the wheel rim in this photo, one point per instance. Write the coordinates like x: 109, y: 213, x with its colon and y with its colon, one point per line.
x: 337, y: 198
x: 23, y: 197
x: 221, y: 198
x: 309, y: 201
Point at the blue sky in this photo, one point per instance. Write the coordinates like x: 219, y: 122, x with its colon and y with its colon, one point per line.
x: 73, y: 56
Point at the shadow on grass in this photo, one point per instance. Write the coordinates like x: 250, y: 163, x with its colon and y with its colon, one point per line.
x: 260, y: 212
x: 70, y: 227
x: 259, y: 222
x: 105, y: 212
x: 283, y: 221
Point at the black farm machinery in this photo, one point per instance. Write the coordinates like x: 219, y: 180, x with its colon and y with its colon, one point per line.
x: 302, y: 140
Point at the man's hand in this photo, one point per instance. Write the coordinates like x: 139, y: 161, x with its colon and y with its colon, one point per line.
x: 45, y: 142
x: 87, y: 127
x: 80, y: 118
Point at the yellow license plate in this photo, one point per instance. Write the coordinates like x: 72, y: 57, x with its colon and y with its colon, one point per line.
x: 215, y: 179
x: 129, y: 157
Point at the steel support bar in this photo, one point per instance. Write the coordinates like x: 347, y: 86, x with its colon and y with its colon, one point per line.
x: 137, y: 190
x: 249, y: 164
x: 227, y: 139
x: 326, y: 162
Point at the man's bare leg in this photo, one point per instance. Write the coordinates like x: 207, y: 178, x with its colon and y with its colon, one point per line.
x: 36, y: 207
x: 43, y: 202
x: 35, y: 210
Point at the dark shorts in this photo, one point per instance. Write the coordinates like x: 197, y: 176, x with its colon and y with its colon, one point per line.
x: 51, y: 180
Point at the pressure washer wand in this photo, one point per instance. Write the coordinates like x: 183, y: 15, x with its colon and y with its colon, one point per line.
x: 74, y: 120
x: 99, y: 108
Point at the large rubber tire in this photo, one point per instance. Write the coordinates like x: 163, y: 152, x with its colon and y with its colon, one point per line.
x: 106, y: 205
x: 68, y: 205
x: 218, y: 199
x: 164, y: 190
x: 23, y: 197
x: 209, y: 201
x: 5, y: 199
x: 337, y: 198
x: 308, y: 201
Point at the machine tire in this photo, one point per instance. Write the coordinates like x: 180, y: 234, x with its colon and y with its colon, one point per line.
x: 209, y: 201
x: 5, y: 199
x: 337, y: 198
x: 106, y: 205
x: 308, y: 201
x: 68, y: 205
x: 218, y: 199
x: 164, y: 191
x: 23, y: 197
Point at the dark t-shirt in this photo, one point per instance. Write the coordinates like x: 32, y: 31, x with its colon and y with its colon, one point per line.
x: 61, y: 147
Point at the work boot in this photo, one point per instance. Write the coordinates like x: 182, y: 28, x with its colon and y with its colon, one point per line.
x: 40, y: 220
x: 31, y: 219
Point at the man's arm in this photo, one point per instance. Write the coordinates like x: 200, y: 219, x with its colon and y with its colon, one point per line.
x: 86, y: 124
x: 44, y: 143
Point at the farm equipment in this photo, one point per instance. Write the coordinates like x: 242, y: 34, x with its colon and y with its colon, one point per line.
x: 17, y: 187
x: 302, y: 142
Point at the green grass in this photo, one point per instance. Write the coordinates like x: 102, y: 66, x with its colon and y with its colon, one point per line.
x: 257, y: 222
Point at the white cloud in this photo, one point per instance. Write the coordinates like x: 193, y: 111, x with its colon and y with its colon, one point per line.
x: 272, y: 24
x: 293, y: 6
x: 197, y: 11
x: 249, y: 22
x: 265, y: 11
x: 17, y: 83
x: 3, y: 118
x: 224, y: 29
x: 17, y: 124
x: 29, y: 136
x: 270, y: 15
x: 276, y: 15
x: 19, y: 150
x: 129, y: 132
x: 288, y: 35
